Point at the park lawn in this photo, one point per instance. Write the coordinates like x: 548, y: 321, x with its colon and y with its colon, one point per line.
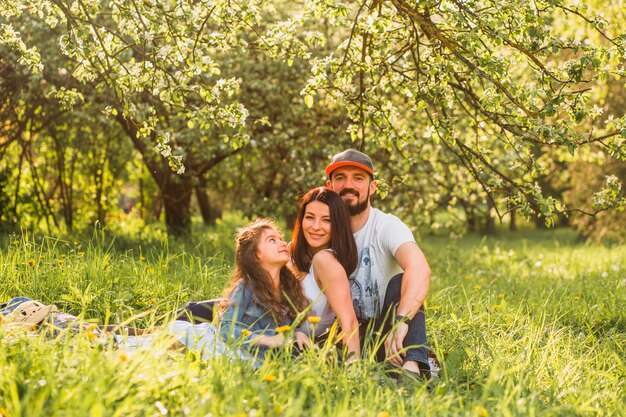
x: 531, y: 324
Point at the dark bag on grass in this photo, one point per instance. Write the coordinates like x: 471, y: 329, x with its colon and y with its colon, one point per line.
x: 198, y: 312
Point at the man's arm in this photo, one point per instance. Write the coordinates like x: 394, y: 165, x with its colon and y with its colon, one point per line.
x: 413, y: 292
x: 415, y: 280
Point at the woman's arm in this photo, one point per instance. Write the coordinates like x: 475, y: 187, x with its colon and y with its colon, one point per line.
x: 333, y: 281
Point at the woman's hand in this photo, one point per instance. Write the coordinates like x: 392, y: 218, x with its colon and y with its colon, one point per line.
x: 302, y: 340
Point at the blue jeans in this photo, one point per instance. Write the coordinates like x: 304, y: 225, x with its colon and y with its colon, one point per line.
x: 415, y: 340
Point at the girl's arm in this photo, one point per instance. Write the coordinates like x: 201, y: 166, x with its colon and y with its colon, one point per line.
x: 232, y: 327
x: 334, y: 282
x: 299, y: 337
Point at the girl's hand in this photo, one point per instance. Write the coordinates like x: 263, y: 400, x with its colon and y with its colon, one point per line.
x: 270, y: 341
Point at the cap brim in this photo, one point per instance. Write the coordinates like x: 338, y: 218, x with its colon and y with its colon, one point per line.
x: 336, y: 165
x: 30, y: 312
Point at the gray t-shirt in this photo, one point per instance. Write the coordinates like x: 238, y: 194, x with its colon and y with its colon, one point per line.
x: 377, y: 242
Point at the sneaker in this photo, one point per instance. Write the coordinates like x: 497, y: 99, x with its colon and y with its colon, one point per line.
x: 434, y: 365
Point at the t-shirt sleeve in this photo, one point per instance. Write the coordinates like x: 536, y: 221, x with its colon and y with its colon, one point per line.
x: 394, y: 233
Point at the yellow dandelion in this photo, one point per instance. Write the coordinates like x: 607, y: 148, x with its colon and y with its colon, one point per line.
x: 81, y: 254
x: 496, y: 306
x: 75, y: 243
x: 477, y: 287
x: 246, y: 332
x: 90, y: 335
x: 91, y: 327
x: 501, y: 296
x: 149, y: 270
x: 142, y: 258
x: 282, y: 329
x: 122, y: 357
x: 62, y: 255
x: 4, y: 412
x: 383, y: 414
x: 481, y: 411
x: 31, y: 262
x: 269, y: 378
x: 575, y: 298
x: 314, y: 319
x: 61, y: 261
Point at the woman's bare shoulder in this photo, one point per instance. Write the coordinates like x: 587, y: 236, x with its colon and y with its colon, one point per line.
x: 325, y: 259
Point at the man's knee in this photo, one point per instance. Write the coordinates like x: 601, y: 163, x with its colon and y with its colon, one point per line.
x: 394, y: 290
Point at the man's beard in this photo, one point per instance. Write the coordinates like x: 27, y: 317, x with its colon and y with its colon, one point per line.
x: 360, y: 206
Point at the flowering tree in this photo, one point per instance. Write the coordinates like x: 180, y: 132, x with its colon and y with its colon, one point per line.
x: 461, y: 97
x: 154, y: 66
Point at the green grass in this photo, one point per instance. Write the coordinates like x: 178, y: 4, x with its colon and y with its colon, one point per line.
x: 531, y: 324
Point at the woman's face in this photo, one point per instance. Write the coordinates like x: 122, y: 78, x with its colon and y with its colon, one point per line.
x: 316, y: 226
x: 272, y: 249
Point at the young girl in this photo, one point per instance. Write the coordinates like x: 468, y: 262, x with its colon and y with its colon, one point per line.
x: 264, y: 294
x: 324, y: 251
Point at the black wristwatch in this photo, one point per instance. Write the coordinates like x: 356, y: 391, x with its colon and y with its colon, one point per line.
x: 400, y: 318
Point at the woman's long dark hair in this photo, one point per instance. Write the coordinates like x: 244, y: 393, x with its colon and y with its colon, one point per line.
x: 290, y: 299
x: 341, y: 239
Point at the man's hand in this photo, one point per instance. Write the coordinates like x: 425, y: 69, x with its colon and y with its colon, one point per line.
x: 394, y: 343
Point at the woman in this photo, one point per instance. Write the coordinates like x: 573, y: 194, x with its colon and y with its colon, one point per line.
x: 324, y: 251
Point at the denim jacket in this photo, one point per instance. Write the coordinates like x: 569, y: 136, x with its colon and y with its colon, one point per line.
x: 245, y: 312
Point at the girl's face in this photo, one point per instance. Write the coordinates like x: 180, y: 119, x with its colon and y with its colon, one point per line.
x: 316, y: 226
x: 272, y: 249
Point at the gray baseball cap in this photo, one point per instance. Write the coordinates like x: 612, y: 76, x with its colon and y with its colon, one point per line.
x: 350, y: 157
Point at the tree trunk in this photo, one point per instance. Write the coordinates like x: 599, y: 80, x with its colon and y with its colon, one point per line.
x: 98, y: 176
x: 142, y: 201
x: 513, y: 223
x: 470, y: 215
x: 290, y: 221
x: 176, y: 197
x: 209, y: 212
x: 540, y: 222
x: 490, y: 222
x: 175, y: 190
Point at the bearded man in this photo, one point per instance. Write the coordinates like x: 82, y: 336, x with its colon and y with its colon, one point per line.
x: 392, y: 278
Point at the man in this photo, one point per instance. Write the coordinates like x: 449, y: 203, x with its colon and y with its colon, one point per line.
x: 391, y: 266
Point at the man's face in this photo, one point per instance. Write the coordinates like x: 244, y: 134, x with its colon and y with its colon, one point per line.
x: 354, y: 185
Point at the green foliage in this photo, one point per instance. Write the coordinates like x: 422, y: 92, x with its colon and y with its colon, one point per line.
x: 525, y: 325
x: 473, y: 90
x: 465, y: 105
